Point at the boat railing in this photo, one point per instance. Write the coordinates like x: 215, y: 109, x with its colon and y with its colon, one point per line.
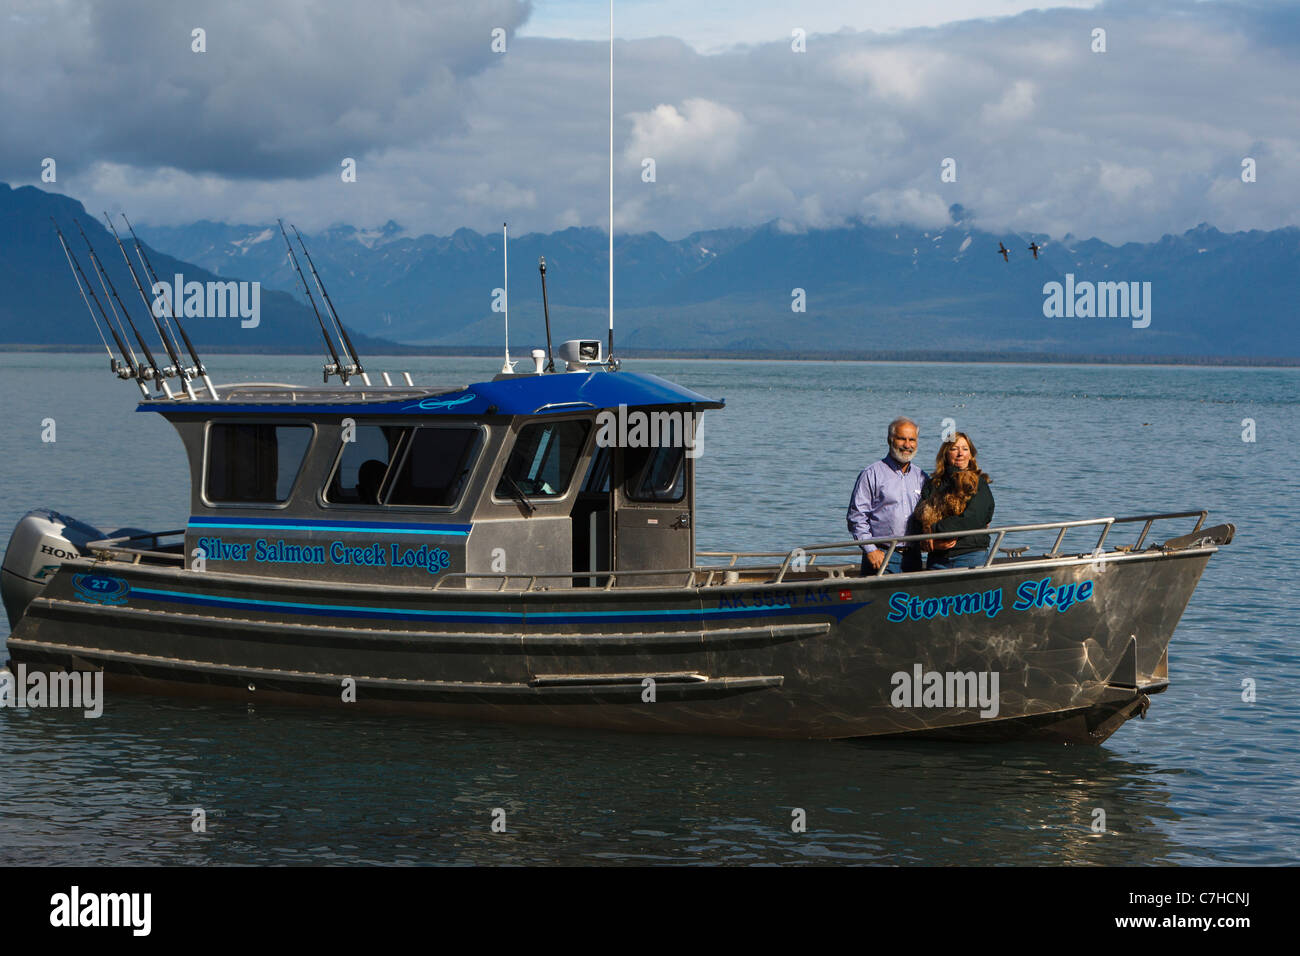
x: 801, y: 558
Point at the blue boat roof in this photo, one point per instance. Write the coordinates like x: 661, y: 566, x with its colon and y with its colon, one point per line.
x: 554, y: 393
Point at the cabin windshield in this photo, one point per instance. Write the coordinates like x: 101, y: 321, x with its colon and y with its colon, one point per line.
x: 542, y: 461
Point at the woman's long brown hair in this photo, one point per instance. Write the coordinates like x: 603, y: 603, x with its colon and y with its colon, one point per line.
x: 950, y: 493
x: 941, y: 459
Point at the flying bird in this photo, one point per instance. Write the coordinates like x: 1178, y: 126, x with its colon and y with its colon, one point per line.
x: 1034, y: 247
x: 1003, y: 249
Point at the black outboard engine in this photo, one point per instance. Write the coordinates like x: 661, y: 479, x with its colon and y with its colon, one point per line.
x: 41, y: 542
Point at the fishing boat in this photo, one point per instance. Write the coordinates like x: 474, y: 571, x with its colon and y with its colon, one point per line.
x: 523, y: 549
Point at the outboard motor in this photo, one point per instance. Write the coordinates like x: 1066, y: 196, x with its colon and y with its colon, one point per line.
x: 41, y: 542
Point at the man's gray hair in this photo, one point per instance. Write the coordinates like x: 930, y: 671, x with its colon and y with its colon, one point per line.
x: 893, y: 426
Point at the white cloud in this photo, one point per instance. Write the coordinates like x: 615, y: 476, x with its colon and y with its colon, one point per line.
x: 1015, y: 106
x: 909, y: 206
x: 898, y: 74
x: 703, y: 133
x: 1121, y: 182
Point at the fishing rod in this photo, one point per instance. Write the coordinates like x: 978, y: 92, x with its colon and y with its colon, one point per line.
x: 110, y: 293
x: 153, y: 277
x: 334, y: 314
x: 546, y: 313
x: 155, y: 371
x: 337, y: 366
x: 177, y: 366
x: 106, y: 284
x: 119, y: 369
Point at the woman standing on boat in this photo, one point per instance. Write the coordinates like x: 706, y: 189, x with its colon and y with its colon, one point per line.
x: 956, y: 498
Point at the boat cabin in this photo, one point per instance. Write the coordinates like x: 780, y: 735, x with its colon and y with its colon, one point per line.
x: 538, y: 479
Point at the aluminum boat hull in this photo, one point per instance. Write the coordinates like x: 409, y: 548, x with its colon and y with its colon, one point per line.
x: 818, y: 658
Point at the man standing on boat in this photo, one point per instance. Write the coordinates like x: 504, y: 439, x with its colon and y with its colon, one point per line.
x: 886, y: 493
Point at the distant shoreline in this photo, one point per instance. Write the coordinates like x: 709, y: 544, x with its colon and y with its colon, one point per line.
x: 946, y: 357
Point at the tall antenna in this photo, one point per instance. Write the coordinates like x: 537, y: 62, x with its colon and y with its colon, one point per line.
x: 509, y: 366
x: 609, y: 357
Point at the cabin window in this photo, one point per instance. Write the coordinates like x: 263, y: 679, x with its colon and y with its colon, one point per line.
x: 254, y: 463
x: 401, y: 465
x: 597, y: 480
x: 359, y: 474
x: 437, y: 462
x: 656, y: 474
x: 541, y: 463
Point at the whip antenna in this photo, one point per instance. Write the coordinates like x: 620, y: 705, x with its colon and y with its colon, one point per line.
x: 509, y: 366
x: 612, y: 364
x: 546, y: 313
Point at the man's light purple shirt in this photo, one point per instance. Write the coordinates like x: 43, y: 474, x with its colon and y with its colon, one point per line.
x: 883, y: 499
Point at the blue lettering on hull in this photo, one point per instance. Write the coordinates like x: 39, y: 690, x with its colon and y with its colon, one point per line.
x: 1038, y: 594
x: 432, y: 559
x: 1030, y: 595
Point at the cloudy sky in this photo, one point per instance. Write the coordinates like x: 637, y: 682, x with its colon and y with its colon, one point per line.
x: 1047, y: 135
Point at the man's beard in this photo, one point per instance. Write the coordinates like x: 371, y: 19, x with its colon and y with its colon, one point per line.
x: 902, y: 457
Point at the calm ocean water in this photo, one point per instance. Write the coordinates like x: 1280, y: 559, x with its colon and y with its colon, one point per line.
x: 1206, y: 779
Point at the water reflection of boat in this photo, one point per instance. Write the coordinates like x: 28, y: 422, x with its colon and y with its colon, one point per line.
x: 499, y: 551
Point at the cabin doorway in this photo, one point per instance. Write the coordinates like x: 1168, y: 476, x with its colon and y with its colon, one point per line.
x: 653, y: 507
x: 592, y: 533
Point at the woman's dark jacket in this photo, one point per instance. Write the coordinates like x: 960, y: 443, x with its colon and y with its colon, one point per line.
x: 978, y: 514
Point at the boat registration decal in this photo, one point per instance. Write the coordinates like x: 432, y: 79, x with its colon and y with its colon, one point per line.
x: 782, y: 598
x: 100, y: 588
